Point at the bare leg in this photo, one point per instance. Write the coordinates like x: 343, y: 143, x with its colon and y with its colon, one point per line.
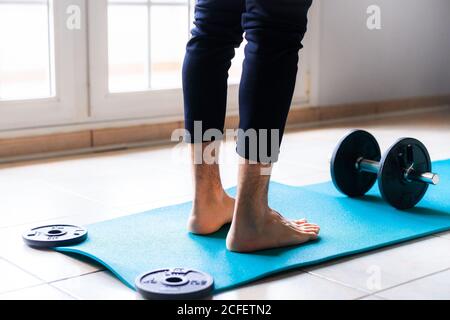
x: 255, y: 226
x: 212, y: 207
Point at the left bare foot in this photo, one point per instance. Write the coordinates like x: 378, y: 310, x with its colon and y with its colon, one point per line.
x: 209, y: 214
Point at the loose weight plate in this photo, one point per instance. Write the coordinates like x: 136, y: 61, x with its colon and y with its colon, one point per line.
x: 174, y: 284
x: 55, y: 236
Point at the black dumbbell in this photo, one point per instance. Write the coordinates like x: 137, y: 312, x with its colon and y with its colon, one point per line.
x: 403, y: 173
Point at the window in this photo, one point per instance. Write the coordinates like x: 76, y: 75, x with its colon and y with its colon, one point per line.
x: 26, y: 49
x: 137, y: 49
x: 122, y: 63
x: 150, y: 59
x: 43, y: 66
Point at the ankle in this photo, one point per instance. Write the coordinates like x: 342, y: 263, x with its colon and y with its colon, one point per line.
x: 249, y: 219
x: 209, y: 195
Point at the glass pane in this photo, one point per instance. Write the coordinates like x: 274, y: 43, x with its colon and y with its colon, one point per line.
x: 236, y: 68
x: 26, y: 54
x: 147, y: 43
x: 192, y: 14
x: 169, y: 34
x: 128, y: 36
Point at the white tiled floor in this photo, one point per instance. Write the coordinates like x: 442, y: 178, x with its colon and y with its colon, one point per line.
x: 87, y: 189
x: 42, y: 292
x: 394, y: 265
x: 13, y: 278
x: 445, y: 235
x: 435, y: 286
x: 47, y: 266
x: 98, y: 285
x: 294, y: 285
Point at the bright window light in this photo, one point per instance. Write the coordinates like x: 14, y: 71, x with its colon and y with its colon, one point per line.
x: 128, y: 46
x: 26, y: 49
x: 146, y: 44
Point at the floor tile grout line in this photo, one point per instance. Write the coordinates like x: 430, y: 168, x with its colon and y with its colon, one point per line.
x: 64, y: 292
x: 85, y: 197
x: 44, y: 221
x: 68, y: 292
x: 177, y: 200
x: 21, y: 268
x: 13, y: 226
x: 43, y: 281
x: 442, y: 235
x: 36, y: 286
x: 78, y: 276
x: 115, y: 207
x: 413, y: 280
x: 99, y: 202
x: 335, y: 281
x: 372, y: 295
x: 73, y: 193
x: 20, y: 289
x: 382, y: 290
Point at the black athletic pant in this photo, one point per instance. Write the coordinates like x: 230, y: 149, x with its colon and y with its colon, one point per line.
x: 274, y: 30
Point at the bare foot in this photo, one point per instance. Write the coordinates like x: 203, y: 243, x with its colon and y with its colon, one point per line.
x: 210, y: 214
x: 270, y: 230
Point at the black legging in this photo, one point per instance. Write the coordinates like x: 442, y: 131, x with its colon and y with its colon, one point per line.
x: 274, y: 30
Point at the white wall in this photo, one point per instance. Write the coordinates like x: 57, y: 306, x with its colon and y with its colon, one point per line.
x: 408, y: 57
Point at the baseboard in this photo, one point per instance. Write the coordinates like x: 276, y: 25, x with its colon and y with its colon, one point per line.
x: 23, y: 148
x: 16, y: 147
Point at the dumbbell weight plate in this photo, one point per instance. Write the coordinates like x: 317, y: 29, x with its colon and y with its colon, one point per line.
x: 394, y: 188
x: 174, y: 284
x: 55, y: 236
x: 346, y: 177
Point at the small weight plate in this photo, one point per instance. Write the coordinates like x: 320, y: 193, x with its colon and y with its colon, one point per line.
x: 174, y: 284
x: 346, y: 177
x: 55, y: 236
x: 394, y: 188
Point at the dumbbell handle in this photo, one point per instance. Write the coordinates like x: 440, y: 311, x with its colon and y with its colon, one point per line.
x: 374, y: 166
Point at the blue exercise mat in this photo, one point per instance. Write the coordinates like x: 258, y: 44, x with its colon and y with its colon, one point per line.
x: 157, y: 239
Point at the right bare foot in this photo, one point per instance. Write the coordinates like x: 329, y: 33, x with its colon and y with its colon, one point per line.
x: 270, y: 230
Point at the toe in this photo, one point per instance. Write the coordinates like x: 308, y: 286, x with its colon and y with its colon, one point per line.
x: 301, y: 221
x: 307, y: 229
x: 315, y: 230
x: 314, y: 236
x: 308, y: 234
x: 313, y: 225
